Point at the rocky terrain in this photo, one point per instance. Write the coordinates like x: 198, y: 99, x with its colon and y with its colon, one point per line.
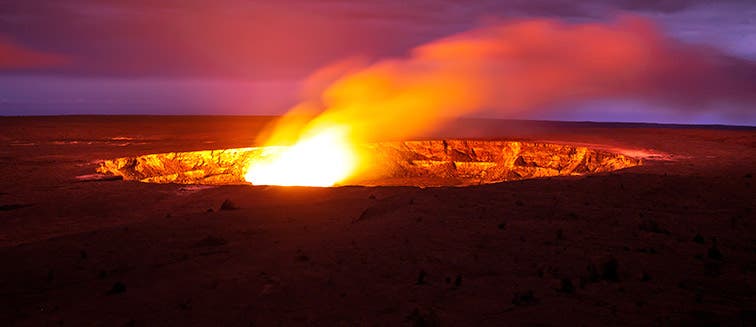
x: 669, y: 242
x: 408, y: 163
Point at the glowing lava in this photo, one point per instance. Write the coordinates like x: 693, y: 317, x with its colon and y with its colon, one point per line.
x: 323, y: 159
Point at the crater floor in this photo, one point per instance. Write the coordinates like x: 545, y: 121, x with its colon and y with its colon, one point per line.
x: 410, y: 163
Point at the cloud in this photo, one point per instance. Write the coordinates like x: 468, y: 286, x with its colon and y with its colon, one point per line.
x: 276, y: 39
x: 14, y: 57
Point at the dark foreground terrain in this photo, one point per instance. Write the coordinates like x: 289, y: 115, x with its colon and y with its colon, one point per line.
x: 670, y: 242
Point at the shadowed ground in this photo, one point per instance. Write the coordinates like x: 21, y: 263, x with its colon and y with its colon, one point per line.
x: 668, y: 242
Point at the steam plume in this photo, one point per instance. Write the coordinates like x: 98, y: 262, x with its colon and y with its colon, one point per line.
x: 514, y: 67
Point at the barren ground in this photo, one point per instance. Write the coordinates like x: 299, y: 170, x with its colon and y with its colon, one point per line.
x: 667, y: 243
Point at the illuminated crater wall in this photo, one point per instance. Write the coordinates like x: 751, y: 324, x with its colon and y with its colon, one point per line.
x: 420, y: 163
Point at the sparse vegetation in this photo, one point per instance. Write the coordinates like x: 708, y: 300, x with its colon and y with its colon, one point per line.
x: 699, y: 239
x: 421, y: 278
x: 423, y: 318
x: 118, y: 288
x: 566, y: 286
x: 525, y: 298
x: 228, y: 205
x: 652, y: 226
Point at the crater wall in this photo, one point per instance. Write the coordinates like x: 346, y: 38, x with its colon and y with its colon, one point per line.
x: 420, y: 163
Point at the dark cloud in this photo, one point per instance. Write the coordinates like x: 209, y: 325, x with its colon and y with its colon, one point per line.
x: 138, y: 42
x: 194, y: 39
x: 262, y: 39
x: 15, y: 57
x: 668, y: 6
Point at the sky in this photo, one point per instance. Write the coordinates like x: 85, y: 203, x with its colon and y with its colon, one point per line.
x: 252, y: 57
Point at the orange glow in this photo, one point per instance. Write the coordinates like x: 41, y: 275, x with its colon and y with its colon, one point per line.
x: 507, y: 69
x: 323, y: 159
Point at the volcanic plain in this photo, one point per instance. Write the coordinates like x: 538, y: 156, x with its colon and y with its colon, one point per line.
x: 670, y: 241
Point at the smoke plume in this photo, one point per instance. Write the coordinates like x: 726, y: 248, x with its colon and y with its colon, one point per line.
x: 511, y: 68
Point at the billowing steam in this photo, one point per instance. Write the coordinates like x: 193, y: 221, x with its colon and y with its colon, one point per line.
x: 510, y: 68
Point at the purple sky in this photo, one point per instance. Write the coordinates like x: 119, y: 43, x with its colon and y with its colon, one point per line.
x: 249, y: 57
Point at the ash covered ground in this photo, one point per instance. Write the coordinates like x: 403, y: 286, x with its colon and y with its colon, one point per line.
x: 670, y: 242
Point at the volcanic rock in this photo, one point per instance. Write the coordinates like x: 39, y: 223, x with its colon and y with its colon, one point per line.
x: 420, y: 163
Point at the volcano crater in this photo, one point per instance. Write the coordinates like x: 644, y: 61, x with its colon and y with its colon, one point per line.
x: 403, y: 163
